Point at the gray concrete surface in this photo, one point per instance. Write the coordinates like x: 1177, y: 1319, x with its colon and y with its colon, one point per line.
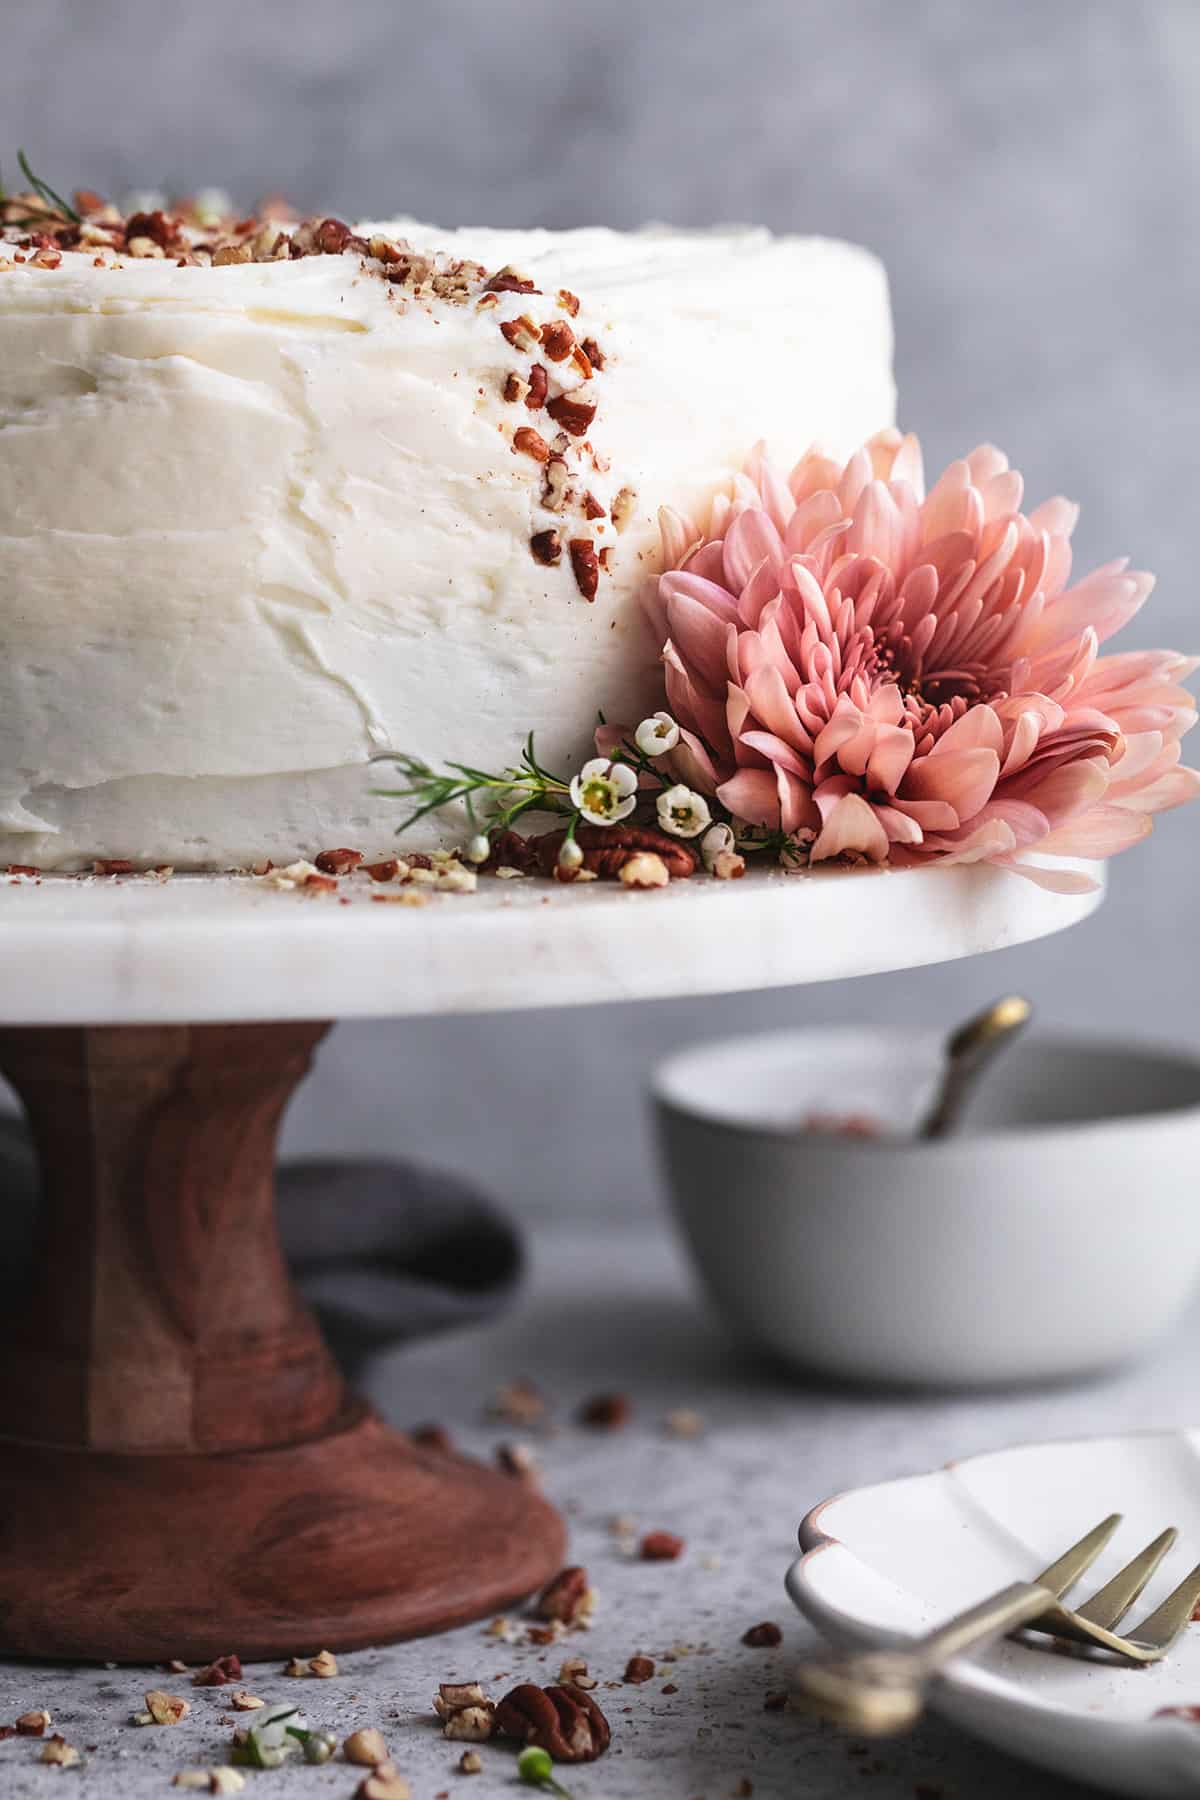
x: 615, y: 1311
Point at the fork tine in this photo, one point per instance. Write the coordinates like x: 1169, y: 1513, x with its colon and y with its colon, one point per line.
x: 1109, y: 1605
x: 1167, y: 1621
x: 1076, y: 1561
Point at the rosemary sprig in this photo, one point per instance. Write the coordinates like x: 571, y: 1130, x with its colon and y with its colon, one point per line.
x: 754, y: 840
x: 507, y: 795
x: 53, y: 201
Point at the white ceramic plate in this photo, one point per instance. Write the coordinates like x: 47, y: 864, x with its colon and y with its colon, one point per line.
x: 887, y: 1562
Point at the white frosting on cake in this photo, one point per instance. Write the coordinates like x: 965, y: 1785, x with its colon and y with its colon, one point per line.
x: 260, y: 521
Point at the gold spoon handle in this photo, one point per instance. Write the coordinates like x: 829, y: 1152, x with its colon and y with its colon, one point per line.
x: 969, y: 1052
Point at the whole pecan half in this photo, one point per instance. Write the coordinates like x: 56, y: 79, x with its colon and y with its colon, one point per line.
x: 219, y: 1673
x: 512, y: 851
x: 565, y: 1722
x: 332, y: 235
x: 338, y: 862
x: 660, y: 1546
x: 562, y: 1596
x: 606, y: 847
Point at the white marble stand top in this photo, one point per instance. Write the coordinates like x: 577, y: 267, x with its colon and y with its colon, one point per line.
x: 123, y: 950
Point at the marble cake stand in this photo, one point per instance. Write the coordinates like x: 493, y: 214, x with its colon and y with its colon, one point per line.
x: 182, y: 1471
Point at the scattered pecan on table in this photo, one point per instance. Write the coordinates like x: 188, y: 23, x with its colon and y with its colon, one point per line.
x: 564, y: 1722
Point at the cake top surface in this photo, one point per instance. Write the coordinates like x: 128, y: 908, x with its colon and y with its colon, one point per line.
x: 656, y: 265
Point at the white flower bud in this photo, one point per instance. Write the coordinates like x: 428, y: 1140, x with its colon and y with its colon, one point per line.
x: 144, y: 200
x: 478, y: 850
x: 654, y: 737
x: 570, y: 856
x: 717, y: 841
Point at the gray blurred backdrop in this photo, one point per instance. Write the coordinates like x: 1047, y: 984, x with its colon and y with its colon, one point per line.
x: 1028, y: 172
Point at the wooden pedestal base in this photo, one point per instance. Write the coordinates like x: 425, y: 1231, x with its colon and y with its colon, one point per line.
x: 182, y: 1473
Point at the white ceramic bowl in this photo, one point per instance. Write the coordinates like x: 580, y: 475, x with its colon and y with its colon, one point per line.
x: 1059, y: 1234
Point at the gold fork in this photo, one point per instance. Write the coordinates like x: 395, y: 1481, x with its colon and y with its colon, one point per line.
x: 877, y: 1692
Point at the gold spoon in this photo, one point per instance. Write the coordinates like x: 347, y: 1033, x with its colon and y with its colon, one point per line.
x: 969, y: 1052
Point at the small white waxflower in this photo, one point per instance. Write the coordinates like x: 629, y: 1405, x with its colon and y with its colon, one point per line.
x: 211, y: 205
x: 144, y: 200
x: 717, y: 841
x: 683, y: 813
x: 604, y: 791
x: 570, y: 856
x: 478, y: 850
x: 654, y: 737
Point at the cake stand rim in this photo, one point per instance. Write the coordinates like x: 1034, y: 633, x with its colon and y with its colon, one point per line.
x: 222, y: 948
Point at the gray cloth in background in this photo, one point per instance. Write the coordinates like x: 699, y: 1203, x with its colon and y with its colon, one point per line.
x: 382, y: 1252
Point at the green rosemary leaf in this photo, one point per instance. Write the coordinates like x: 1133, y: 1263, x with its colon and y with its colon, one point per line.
x: 45, y: 192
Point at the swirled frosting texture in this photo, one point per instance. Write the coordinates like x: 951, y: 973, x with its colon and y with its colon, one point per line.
x: 262, y: 520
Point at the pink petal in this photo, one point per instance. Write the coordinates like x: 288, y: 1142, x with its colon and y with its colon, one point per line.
x: 749, y: 539
x: 816, y: 471
x: 979, y: 728
x: 985, y: 462
x: 773, y: 491
x: 989, y: 839
x: 844, y: 725
x: 930, y: 815
x: 883, y: 449
x: 690, y: 763
x: 851, y: 828
x: 899, y: 827
x: 707, y: 560
x: 1057, y: 881
x: 855, y: 476
x: 1102, y: 831
x: 753, y: 795
x: 1067, y: 790
x: 796, y: 808
x: 890, y: 757
x: 678, y: 535
x: 1001, y: 493
x: 710, y: 594
x: 1057, y: 517
x: 1025, y: 734
x: 907, y: 466
x: 692, y: 707
x: 963, y: 778
x: 699, y: 637
x: 777, y: 752
x: 812, y: 516
x: 609, y: 738
x: 758, y: 593
x: 1168, y: 791
x: 1105, y: 600
x: 771, y: 703
x: 875, y: 526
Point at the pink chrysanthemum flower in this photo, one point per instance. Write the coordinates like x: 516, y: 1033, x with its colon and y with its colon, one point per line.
x: 885, y: 675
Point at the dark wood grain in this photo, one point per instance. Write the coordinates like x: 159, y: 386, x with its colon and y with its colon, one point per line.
x: 181, y: 1470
